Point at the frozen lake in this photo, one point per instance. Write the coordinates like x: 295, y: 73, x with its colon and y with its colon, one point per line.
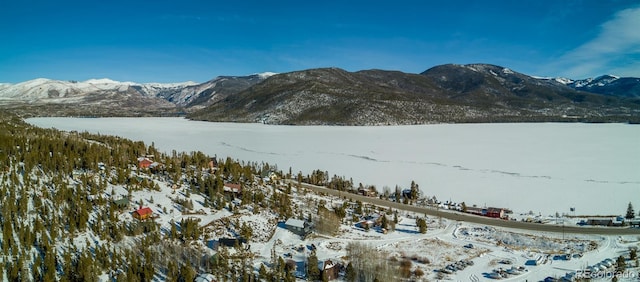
x: 539, y: 167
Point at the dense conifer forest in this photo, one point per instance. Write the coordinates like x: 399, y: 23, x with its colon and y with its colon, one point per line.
x: 58, y: 225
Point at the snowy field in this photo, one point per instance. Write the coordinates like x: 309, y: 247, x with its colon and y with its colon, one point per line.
x: 541, y: 167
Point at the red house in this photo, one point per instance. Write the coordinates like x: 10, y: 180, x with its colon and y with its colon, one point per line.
x: 495, y: 212
x: 232, y: 187
x: 143, y: 213
x: 144, y: 162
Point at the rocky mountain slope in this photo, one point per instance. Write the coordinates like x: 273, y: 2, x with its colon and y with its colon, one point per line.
x: 200, y: 95
x: 446, y: 93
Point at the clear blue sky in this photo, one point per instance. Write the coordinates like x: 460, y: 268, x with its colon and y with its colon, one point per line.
x: 171, y: 41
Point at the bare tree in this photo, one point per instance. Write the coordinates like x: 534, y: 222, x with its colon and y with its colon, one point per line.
x: 369, y: 264
x: 327, y: 222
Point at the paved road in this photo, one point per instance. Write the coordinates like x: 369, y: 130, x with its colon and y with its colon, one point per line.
x: 457, y: 216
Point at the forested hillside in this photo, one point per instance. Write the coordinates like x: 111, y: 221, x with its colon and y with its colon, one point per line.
x: 60, y: 220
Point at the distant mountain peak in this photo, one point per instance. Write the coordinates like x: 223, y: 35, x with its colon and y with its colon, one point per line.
x: 265, y: 75
x: 104, y: 81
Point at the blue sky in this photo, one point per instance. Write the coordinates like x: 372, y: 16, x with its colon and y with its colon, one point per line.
x: 172, y: 41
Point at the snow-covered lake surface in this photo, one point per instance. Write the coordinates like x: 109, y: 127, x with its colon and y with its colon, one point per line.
x: 539, y: 167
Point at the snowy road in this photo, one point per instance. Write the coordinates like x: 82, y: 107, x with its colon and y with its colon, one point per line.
x: 477, y: 219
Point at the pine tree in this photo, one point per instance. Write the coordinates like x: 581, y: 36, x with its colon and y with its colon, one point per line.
x: 422, y: 225
x: 621, y: 264
x: 350, y: 273
x: 187, y: 274
x: 262, y: 273
x: 384, y: 222
x: 630, y: 212
x: 313, y: 272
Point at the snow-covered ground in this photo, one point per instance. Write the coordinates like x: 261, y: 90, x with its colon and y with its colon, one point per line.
x: 542, y: 167
x: 456, y: 251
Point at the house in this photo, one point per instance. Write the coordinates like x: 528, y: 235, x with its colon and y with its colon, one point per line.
x: 298, y: 226
x: 155, y: 166
x: 232, y: 242
x: 143, y: 213
x: 122, y: 203
x: 144, y: 162
x: 488, y: 212
x: 475, y: 210
x: 495, y: 212
x: 269, y: 176
x: 367, y: 191
x: 147, y: 162
x: 330, y: 270
x: 232, y: 188
x: 366, y: 224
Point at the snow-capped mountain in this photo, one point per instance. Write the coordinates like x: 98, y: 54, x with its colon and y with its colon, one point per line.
x: 445, y: 93
x: 43, y: 90
x: 184, y: 94
x: 610, y: 85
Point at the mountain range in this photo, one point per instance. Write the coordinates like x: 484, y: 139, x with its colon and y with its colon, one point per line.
x: 445, y: 93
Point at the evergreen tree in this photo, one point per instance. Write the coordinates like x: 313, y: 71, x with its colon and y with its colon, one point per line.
x: 631, y: 214
x: 313, y: 272
x: 187, y: 274
x: 262, y: 273
x: 621, y: 264
x: 384, y: 222
x: 415, y: 191
x: 350, y: 273
x: 422, y: 225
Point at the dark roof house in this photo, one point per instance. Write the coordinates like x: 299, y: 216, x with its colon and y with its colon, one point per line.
x: 298, y: 226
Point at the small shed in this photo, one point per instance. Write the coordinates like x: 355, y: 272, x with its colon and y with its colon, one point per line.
x: 297, y: 226
x: 143, y: 213
x: 122, y: 203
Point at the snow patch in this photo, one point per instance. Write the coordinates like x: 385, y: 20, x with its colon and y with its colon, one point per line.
x: 265, y: 75
x: 563, y: 80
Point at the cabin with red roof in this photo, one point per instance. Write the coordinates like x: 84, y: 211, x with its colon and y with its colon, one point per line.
x: 143, y: 213
x: 144, y: 162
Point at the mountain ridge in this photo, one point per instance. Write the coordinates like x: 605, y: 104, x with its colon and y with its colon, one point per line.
x: 443, y: 93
